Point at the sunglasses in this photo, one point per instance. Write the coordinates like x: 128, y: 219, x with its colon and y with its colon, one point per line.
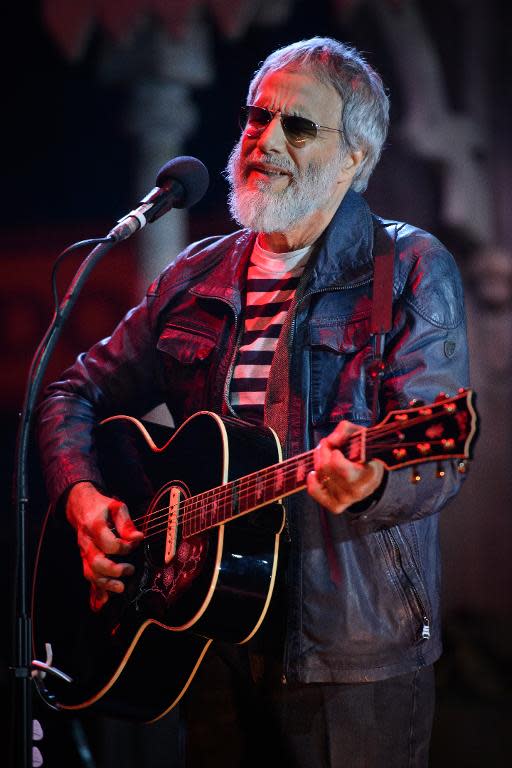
x: 297, y: 130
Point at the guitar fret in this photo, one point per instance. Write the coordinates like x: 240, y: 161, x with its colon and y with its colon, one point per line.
x: 186, y: 519
x: 252, y: 495
x: 301, y: 471
x: 291, y: 482
x: 278, y: 481
x: 259, y: 490
x: 214, y: 509
x: 220, y: 508
x: 234, y: 499
x: 208, y: 511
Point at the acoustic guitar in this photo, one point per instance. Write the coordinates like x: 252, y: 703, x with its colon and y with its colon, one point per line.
x: 209, y: 501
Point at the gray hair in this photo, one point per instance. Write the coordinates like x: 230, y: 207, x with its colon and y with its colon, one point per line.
x: 365, y: 104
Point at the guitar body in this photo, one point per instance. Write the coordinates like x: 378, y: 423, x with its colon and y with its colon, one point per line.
x: 196, y: 580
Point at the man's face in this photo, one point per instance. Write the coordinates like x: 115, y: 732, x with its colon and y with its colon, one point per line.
x: 275, y: 184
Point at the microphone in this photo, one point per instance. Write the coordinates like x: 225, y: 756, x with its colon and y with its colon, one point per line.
x: 180, y: 183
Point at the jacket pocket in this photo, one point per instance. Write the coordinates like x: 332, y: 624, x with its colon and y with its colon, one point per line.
x: 187, y: 356
x: 339, y: 352
x: 187, y: 343
x: 408, y: 582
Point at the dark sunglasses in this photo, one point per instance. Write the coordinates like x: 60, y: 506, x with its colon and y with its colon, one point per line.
x: 297, y: 130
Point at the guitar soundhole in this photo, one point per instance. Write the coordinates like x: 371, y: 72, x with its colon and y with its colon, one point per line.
x: 172, y: 562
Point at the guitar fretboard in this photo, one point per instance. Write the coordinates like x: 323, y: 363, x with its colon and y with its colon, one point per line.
x: 238, y: 497
x: 442, y: 430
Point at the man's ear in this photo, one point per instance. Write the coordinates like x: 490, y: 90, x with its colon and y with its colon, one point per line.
x: 353, y: 160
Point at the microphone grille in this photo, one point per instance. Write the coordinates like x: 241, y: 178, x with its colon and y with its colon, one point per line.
x: 191, y: 173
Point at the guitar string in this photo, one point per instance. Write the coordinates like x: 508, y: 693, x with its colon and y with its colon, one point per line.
x: 265, y: 475
x: 259, y: 482
x: 262, y: 477
x: 242, y: 487
x: 192, y: 512
x: 226, y: 491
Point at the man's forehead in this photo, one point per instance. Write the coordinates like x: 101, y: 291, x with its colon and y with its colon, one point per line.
x: 294, y: 91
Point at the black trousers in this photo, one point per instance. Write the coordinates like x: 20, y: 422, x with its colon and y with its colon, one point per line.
x: 238, y: 714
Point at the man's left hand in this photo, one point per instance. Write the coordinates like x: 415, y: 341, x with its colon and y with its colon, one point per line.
x: 336, y: 482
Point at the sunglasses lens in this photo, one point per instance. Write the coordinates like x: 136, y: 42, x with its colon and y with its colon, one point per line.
x: 254, y: 118
x: 298, y: 130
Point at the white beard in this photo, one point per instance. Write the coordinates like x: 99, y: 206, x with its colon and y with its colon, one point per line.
x: 264, y: 210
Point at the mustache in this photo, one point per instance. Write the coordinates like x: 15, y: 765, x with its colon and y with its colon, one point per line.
x: 283, y: 163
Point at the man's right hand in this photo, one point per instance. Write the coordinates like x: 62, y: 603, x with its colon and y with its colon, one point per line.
x: 93, y: 516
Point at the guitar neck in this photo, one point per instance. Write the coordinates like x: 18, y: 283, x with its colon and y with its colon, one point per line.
x: 246, y: 494
x: 442, y: 430
x: 251, y: 492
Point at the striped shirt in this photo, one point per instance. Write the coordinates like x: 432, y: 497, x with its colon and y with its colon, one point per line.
x: 271, y: 282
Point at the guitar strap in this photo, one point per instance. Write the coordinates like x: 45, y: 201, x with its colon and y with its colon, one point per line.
x: 382, y: 302
x: 380, y: 323
x: 276, y: 400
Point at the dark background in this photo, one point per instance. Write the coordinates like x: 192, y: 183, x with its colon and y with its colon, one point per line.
x: 68, y: 173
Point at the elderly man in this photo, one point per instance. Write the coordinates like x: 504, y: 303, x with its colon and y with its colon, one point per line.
x: 272, y: 324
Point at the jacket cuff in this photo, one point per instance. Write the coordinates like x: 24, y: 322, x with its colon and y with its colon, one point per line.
x: 62, y: 485
x: 371, y: 501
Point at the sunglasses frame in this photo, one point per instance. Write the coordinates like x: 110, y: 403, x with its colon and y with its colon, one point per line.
x: 310, y: 124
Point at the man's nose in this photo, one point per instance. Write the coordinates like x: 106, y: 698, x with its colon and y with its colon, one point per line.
x: 272, y: 139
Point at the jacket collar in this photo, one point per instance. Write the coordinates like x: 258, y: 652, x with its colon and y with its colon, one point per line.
x: 343, y: 255
x: 345, y: 248
x: 227, y: 278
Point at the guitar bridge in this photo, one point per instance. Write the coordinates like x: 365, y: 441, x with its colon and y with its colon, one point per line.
x: 172, y: 524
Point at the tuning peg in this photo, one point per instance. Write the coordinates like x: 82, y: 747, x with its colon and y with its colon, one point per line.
x: 415, y: 477
x: 462, y: 467
x: 441, y: 396
x: 439, y: 470
x: 415, y: 402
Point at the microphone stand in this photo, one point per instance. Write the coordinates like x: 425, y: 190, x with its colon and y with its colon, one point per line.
x: 181, y: 182
x: 23, y: 667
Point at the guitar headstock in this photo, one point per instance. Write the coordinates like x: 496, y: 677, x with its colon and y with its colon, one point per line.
x: 444, y: 429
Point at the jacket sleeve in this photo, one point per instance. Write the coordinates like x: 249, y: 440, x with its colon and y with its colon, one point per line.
x: 426, y: 354
x: 117, y: 375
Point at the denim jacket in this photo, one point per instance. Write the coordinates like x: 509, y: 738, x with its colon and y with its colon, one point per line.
x: 363, y: 588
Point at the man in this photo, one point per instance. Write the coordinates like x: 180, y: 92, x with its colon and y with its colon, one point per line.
x: 272, y: 324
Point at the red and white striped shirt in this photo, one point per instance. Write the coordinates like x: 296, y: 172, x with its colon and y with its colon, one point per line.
x: 272, y: 279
